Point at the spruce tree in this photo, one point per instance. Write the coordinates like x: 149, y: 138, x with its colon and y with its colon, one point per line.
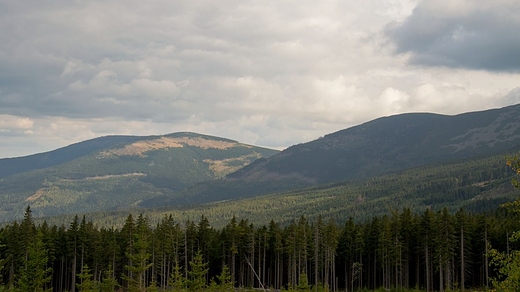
x: 86, y: 283
x: 198, y: 271
x: 140, y: 259
x: 177, y: 281
x: 303, y: 284
x: 225, y: 283
x: 109, y: 283
x: 36, y: 274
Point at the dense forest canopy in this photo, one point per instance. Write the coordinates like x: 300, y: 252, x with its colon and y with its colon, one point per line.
x: 428, y: 250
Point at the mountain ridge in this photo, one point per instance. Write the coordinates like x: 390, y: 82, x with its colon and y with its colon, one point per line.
x: 118, y: 171
x: 392, y: 143
x: 378, y: 147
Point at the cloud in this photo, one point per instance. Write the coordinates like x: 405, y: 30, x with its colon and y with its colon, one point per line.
x: 267, y: 73
x: 513, y: 96
x: 10, y: 124
x: 473, y: 34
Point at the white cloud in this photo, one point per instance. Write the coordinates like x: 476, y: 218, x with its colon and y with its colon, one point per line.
x: 269, y: 73
x: 10, y: 123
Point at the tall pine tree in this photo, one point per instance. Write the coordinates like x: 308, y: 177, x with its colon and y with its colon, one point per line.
x: 36, y: 274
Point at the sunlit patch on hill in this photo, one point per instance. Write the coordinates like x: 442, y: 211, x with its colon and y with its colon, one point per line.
x: 139, y: 148
x: 36, y: 195
x: 225, y: 166
x: 101, y: 177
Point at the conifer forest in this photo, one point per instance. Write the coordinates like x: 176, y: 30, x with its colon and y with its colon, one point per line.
x: 430, y: 251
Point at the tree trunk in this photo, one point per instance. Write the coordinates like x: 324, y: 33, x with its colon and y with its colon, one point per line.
x: 486, y: 265
x: 316, y: 248
x: 441, y: 280
x: 73, y: 276
x: 427, y: 257
x: 462, y: 266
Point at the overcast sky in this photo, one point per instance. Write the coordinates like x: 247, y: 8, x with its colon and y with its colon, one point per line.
x: 268, y: 73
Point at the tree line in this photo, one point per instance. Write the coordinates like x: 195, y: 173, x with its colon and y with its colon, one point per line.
x: 432, y: 250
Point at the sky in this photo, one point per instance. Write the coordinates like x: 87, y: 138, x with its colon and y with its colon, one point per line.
x: 267, y: 73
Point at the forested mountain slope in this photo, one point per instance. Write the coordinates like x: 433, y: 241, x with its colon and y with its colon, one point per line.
x: 390, y: 144
x: 478, y: 185
x: 10, y: 166
x: 378, y: 147
x: 116, y: 172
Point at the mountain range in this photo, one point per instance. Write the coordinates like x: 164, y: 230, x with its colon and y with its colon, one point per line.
x: 375, y: 148
x: 121, y: 172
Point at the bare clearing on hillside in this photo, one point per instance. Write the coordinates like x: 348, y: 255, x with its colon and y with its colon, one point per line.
x: 109, y: 176
x: 225, y: 166
x: 36, y: 195
x: 139, y: 148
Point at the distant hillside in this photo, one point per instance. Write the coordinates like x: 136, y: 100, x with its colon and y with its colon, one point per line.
x: 477, y: 185
x: 390, y: 144
x: 382, y: 146
x: 116, y: 172
x: 10, y: 166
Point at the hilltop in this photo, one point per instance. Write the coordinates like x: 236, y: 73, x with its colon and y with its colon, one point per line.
x: 116, y: 172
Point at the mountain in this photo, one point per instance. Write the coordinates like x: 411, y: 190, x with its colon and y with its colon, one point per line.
x: 375, y: 148
x: 10, y: 166
x: 181, y: 169
x: 116, y: 172
x: 390, y: 144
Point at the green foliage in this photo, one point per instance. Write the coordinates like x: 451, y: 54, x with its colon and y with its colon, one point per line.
x: 508, y: 264
x: 153, y: 287
x: 139, y: 257
x: 109, y: 282
x: 2, y: 259
x: 514, y: 163
x: 224, y: 279
x: 387, y: 251
x: 508, y: 269
x: 303, y: 284
x: 36, y: 275
x: 197, y: 273
x: 177, y: 281
x: 86, y: 283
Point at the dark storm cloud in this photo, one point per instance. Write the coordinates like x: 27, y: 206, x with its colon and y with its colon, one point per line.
x: 462, y: 34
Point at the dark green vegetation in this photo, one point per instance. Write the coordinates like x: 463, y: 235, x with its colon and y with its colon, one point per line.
x: 477, y: 185
x: 508, y: 262
x: 390, y: 144
x: 116, y: 172
x: 426, y: 250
